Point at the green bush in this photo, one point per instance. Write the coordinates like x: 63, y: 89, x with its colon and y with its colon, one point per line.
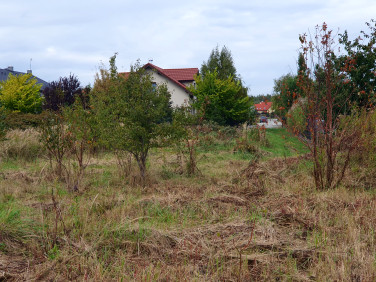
x: 17, y: 120
x: 21, y: 93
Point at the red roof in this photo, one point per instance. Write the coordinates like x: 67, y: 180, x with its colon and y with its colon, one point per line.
x: 182, y: 74
x: 178, y: 76
x: 263, y: 106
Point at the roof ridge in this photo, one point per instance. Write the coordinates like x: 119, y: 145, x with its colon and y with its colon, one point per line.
x: 166, y: 75
x: 182, y: 69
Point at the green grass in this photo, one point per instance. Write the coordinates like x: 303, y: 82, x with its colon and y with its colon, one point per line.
x: 10, y: 165
x: 283, y: 144
x: 12, y: 224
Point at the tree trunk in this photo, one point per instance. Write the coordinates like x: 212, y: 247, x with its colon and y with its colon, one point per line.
x: 141, y: 161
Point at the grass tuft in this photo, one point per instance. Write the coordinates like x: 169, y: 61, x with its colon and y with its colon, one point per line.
x: 21, y: 145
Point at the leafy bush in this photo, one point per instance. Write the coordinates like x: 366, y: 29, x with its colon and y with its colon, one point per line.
x: 63, y: 93
x: 56, y: 139
x: 21, y: 93
x: 17, y: 120
x: 132, y: 114
x: 219, y: 100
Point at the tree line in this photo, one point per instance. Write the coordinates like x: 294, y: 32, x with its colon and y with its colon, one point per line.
x: 324, y: 104
x: 353, y: 68
x: 219, y: 92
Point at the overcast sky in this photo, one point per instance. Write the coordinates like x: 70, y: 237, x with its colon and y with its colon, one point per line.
x: 64, y: 37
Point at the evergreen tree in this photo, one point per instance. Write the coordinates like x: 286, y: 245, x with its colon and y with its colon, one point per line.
x: 222, y: 62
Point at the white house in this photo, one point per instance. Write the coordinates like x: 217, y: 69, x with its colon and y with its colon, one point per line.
x: 176, y: 81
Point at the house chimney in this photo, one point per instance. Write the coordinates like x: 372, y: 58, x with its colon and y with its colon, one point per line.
x: 29, y: 71
x: 10, y: 68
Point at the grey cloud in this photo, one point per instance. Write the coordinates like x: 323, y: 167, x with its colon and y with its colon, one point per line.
x: 75, y: 36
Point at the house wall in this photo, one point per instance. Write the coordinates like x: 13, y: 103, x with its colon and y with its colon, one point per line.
x: 189, y: 83
x: 178, y: 95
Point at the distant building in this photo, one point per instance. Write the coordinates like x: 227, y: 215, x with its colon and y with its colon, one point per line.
x: 4, y: 73
x: 176, y: 80
x: 264, y: 107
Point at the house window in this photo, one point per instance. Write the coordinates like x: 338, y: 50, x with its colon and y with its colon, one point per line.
x: 154, y: 85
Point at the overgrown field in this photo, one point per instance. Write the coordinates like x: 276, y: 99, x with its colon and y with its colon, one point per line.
x: 251, y: 212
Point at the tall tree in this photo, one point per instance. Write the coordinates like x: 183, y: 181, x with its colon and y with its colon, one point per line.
x: 21, y: 93
x: 222, y: 62
x: 359, y: 66
x: 62, y: 92
x: 286, y: 91
x: 287, y: 88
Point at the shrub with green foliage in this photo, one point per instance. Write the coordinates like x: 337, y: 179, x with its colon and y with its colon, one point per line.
x: 219, y: 100
x: 56, y: 140
x: 132, y: 115
x: 358, y: 65
x: 223, y: 63
x: 17, y: 120
x: 286, y: 91
x: 81, y: 128
x: 21, y: 93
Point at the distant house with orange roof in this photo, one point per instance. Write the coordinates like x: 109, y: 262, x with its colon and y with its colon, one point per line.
x: 176, y: 80
x: 264, y: 107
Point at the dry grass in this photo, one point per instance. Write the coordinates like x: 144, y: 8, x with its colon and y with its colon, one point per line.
x: 21, y: 145
x: 237, y: 221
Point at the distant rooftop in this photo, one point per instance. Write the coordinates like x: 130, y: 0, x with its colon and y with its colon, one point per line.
x: 263, y: 106
x: 4, y: 73
x: 178, y: 76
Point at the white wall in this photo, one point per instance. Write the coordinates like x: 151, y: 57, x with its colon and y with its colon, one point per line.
x: 178, y: 95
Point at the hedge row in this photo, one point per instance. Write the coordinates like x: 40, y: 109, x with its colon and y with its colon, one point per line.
x: 16, y: 120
